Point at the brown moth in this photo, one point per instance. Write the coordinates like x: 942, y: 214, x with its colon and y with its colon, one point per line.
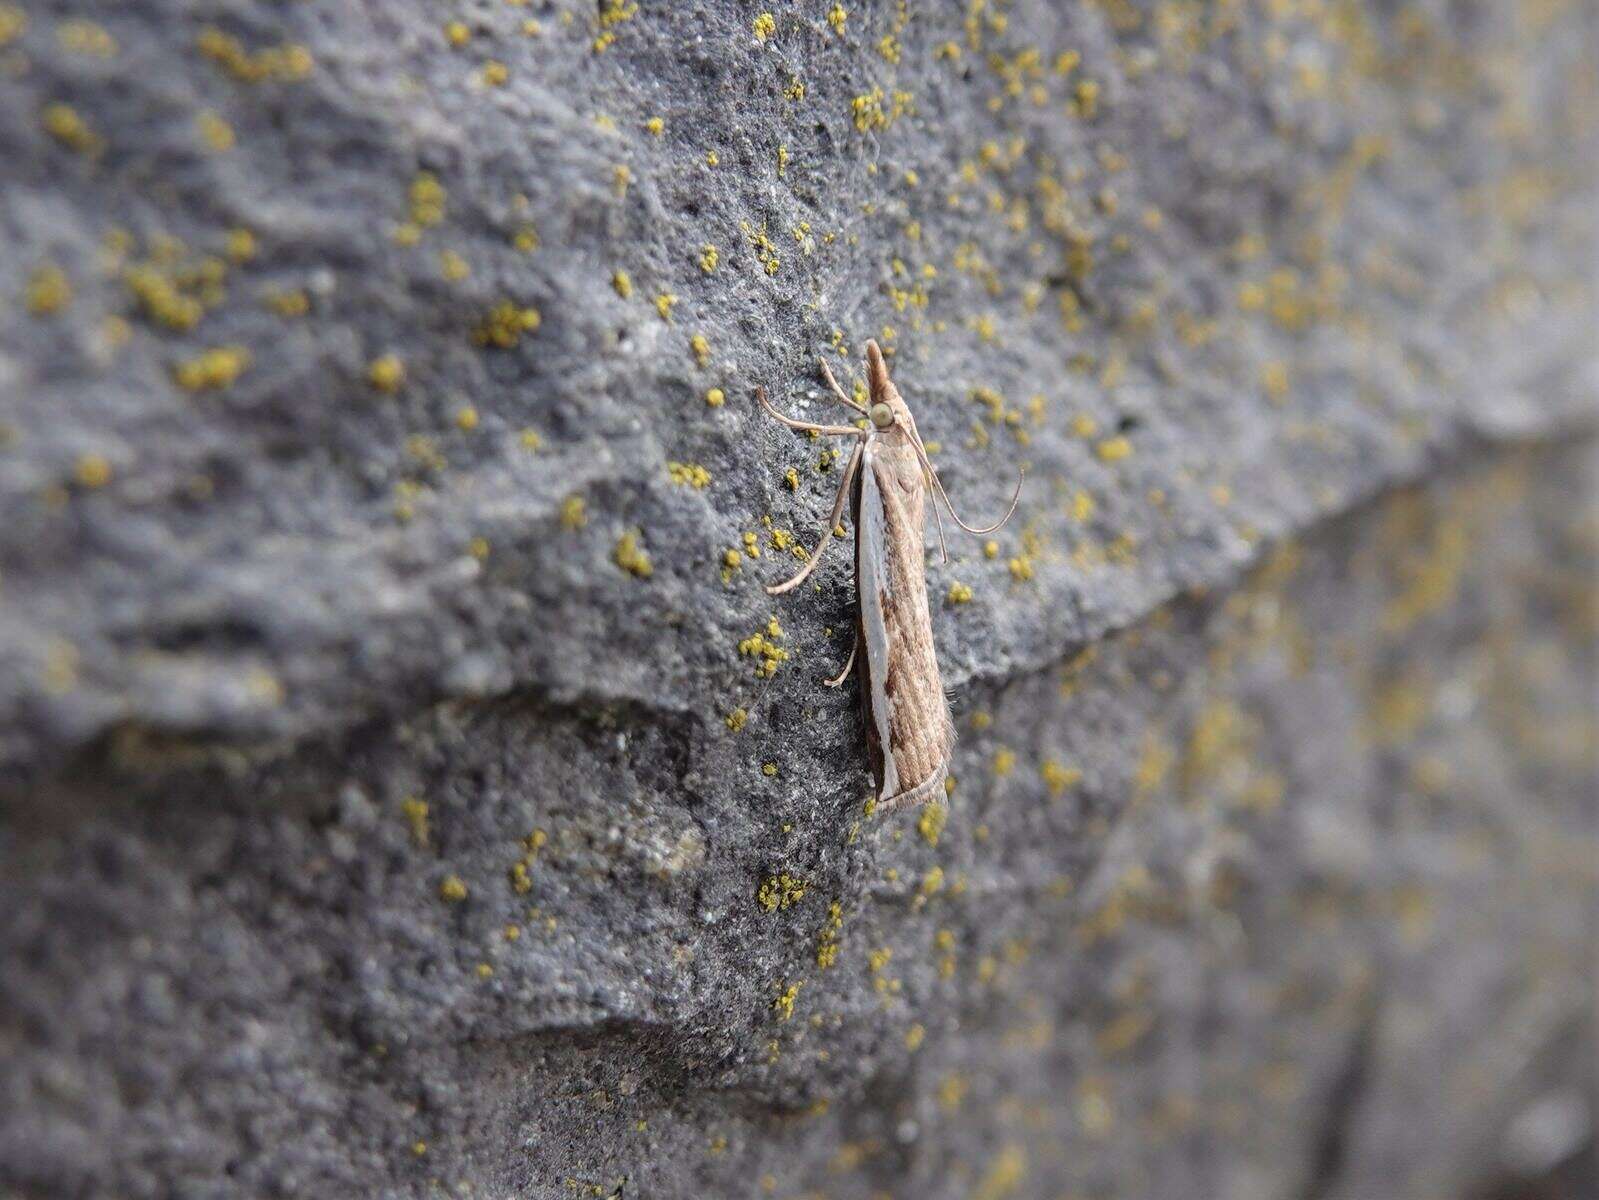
x: 909, y: 733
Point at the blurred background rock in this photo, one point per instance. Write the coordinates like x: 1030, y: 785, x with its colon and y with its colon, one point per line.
x: 408, y: 789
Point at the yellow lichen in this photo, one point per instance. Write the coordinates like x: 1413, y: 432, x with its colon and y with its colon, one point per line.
x: 709, y: 257
x: 288, y: 304
x: 780, y: 891
x: 866, y: 110
x: 715, y: 398
x: 239, y: 245
x: 869, y: 113
x: 836, y: 17
x: 49, y: 291
x: 215, y: 132
x: 688, y: 474
x: 92, y: 471
x: 655, y: 126
x: 629, y: 554
x: 827, y: 944
x: 1004, y: 762
x: 1113, y: 449
x: 521, y: 878
x: 466, y: 418
x: 86, y: 37
x: 783, y: 1006
x: 736, y: 719
x: 762, y: 244
x: 284, y: 63
x: 495, y: 73
x: 574, y: 513
x: 1057, y: 777
x: 521, y: 871
x: 62, y: 122
x: 764, y: 27
x: 1274, y: 379
x: 1004, y: 1176
x: 213, y: 369
x: 386, y: 373
x: 664, y: 303
x: 622, y: 282
x: 701, y: 347
x: 427, y: 199
x: 165, y: 299
x: 415, y: 811
x: 1085, y: 99
x: 615, y: 12
x: 959, y: 593
x: 13, y: 23
x: 762, y: 645
x: 505, y: 324
x: 452, y: 890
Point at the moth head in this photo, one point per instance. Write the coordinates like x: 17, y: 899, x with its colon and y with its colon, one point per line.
x: 888, y: 407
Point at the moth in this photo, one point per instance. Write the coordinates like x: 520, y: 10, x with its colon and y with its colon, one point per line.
x: 888, y: 483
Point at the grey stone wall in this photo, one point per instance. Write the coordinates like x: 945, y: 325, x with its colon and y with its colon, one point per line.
x: 408, y: 788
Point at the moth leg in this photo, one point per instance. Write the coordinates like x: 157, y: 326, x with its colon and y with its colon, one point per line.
x: 827, y: 374
x: 848, y: 663
x: 830, y: 430
x: 778, y: 589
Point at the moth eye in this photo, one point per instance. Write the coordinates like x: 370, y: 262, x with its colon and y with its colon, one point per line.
x: 882, y: 415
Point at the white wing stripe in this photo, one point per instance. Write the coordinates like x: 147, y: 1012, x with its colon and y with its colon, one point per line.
x: 872, y: 581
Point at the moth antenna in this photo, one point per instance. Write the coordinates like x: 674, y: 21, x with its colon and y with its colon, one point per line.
x: 938, y: 483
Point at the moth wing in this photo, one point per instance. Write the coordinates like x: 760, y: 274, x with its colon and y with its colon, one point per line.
x: 872, y: 582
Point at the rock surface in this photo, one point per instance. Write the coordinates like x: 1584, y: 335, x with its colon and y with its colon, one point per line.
x: 408, y: 787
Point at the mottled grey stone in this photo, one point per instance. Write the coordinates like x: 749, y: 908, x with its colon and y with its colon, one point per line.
x: 370, y: 829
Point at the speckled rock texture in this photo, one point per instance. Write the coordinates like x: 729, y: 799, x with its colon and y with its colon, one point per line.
x: 407, y: 789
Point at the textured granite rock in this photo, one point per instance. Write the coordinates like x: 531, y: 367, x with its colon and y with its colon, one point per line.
x: 406, y: 786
